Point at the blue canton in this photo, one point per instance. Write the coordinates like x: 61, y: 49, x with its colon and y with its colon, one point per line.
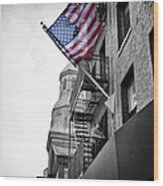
x: 63, y: 30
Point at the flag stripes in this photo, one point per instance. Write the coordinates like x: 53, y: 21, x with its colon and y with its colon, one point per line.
x: 83, y: 26
x: 90, y: 42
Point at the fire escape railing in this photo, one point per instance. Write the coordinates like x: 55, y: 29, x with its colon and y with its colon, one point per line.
x: 101, y: 9
x: 84, y: 156
x: 83, y: 109
x: 101, y: 75
x: 88, y: 146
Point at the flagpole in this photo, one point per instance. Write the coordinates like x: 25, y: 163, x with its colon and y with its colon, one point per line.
x: 110, y: 98
x: 94, y: 81
x: 57, y: 44
x: 55, y: 40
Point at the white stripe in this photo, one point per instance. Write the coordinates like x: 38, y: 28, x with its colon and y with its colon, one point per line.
x: 86, y: 38
x: 83, y: 52
x: 76, y: 15
x: 67, y: 53
x: 83, y: 14
x: 86, y: 49
x: 83, y: 31
x: 69, y: 11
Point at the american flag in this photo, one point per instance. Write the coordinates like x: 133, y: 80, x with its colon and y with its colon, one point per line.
x: 76, y: 30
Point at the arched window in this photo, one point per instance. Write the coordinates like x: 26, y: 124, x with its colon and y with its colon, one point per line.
x: 64, y: 84
x: 123, y: 18
x: 73, y: 82
x: 69, y: 83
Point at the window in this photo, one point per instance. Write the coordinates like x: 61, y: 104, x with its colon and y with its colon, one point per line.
x: 128, y: 95
x: 73, y: 83
x: 104, y: 124
x: 151, y: 43
x: 131, y: 96
x: 123, y: 21
x: 99, y: 70
x: 102, y: 10
x: 102, y: 60
x: 51, y: 163
x: 69, y: 83
x: 64, y: 84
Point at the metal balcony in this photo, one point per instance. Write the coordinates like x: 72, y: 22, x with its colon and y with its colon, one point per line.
x: 100, y: 72
x: 87, y: 150
x: 85, y: 108
x: 102, y: 10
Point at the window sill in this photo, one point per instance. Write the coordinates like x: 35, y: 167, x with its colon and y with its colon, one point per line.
x: 124, y: 42
x: 133, y: 112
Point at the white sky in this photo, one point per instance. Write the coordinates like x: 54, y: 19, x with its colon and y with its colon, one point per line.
x: 29, y: 85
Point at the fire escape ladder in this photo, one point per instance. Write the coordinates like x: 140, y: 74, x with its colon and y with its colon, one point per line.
x: 84, y: 108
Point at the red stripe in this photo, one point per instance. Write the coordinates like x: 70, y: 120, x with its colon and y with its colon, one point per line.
x: 87, y: 15
x: 79, y: 15
x: 89, y: 41
x: 84, y: 56
x: 84, y: 34
x: 73, y: 12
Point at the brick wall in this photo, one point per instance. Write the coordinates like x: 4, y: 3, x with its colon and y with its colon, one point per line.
x: 135, y: 50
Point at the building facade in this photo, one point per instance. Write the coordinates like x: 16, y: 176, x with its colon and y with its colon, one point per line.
x: 122, y: 63
x: 117, y: 145
x: 58, y: 138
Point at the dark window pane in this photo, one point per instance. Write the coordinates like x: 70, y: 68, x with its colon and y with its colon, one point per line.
x: 64, y: 84
x: 102, y: 60
x: 123, y: 21
x: 151, y: 42
x: 102, y: 10
x: 128, y: 95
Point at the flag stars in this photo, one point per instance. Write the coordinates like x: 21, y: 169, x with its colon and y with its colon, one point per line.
x: 63, y: 30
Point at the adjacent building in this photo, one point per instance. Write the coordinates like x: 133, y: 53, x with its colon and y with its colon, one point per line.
x: 58, y: 138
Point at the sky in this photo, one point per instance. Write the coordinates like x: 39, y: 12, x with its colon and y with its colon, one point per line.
x: 30, y: 64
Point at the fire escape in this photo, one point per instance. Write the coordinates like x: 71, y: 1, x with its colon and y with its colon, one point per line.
x: 84, y: 110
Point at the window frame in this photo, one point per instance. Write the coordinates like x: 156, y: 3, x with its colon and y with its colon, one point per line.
x: 131, y: 94
x: 121, y: 27
x: 125, y: 85
x: 151, y: 47
x: 64, y: 84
